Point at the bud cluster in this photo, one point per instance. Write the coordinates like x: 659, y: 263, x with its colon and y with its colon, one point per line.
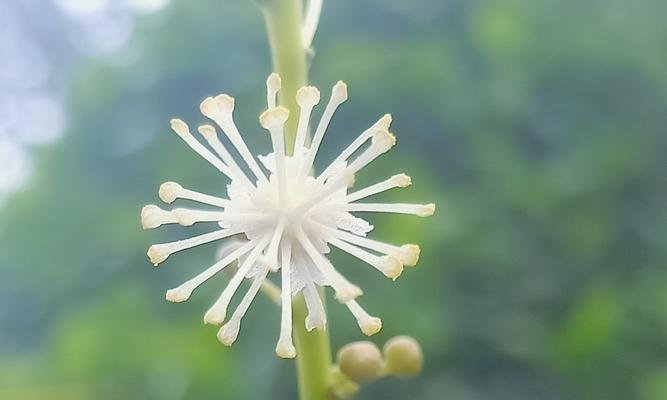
x: 362, y: 362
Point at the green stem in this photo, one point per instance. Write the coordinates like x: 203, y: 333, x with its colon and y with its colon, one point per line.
x: 313, y: 360
x: 284, y: 19
x: 283, y: 22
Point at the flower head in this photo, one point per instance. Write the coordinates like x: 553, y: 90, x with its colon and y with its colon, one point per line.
x: 286, y: 216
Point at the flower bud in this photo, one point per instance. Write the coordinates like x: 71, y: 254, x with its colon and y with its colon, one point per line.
x: 403, y: 356
x: 360, y: 361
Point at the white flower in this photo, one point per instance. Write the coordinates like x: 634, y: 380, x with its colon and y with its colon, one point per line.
x: 286, y: 216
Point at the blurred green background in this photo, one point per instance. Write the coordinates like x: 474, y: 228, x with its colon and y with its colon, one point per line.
x: 538, y: 127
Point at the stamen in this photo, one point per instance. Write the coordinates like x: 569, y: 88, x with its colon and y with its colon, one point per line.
x: 317, y: 317
x: 338, y: 96
x: 153, y: 216
x: 230, y: 331
x: 285, y: 347
x: 182, y: 129
x: 217, y: 313
x: 157, y: 253
x: 382, y: 142
x: 407, y: 254
x: 381, y: 125
x: 400, y: 180
x: 220, y: 109
x: 420, y: 210
x: 211, y: 137
x: 273, y: 84
x: 170, y: 191
x: 306, y: 97
x: 388, y: 265
x: 188, y: 217
x: 183, y: 292
x: 274, y: 121
x: 345, y: 291
x: 369, y: 325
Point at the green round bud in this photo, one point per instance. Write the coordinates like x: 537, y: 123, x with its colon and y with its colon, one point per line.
x: 360, y: 361
x: 403, y: 356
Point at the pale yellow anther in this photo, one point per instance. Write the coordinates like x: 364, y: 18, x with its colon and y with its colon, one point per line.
x: 383, y: 140
x: 370, y: 325
x: 390, y: 266
x: 339, y: 92
x: 153, y: 216
x: 207, y: 131
x: 229, y: 332
x: 217, y: 108
x: 178, y: 295
x: 408, y: 254
x: 209, y: 108
x: 157, y: 253
x: 285, y: 349
x: 180, y: 127
x: 225, y: 103
x: 307, y: 96
x: 425, y: 210
x: 215, y: 315
x: 401, y: 180
x: 169, y: 192
x: 273, y: 84
x: 384, y: 122
x: 276, y: 117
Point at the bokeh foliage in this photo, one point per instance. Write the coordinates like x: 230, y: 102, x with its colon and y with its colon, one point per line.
x: 538, y: 127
